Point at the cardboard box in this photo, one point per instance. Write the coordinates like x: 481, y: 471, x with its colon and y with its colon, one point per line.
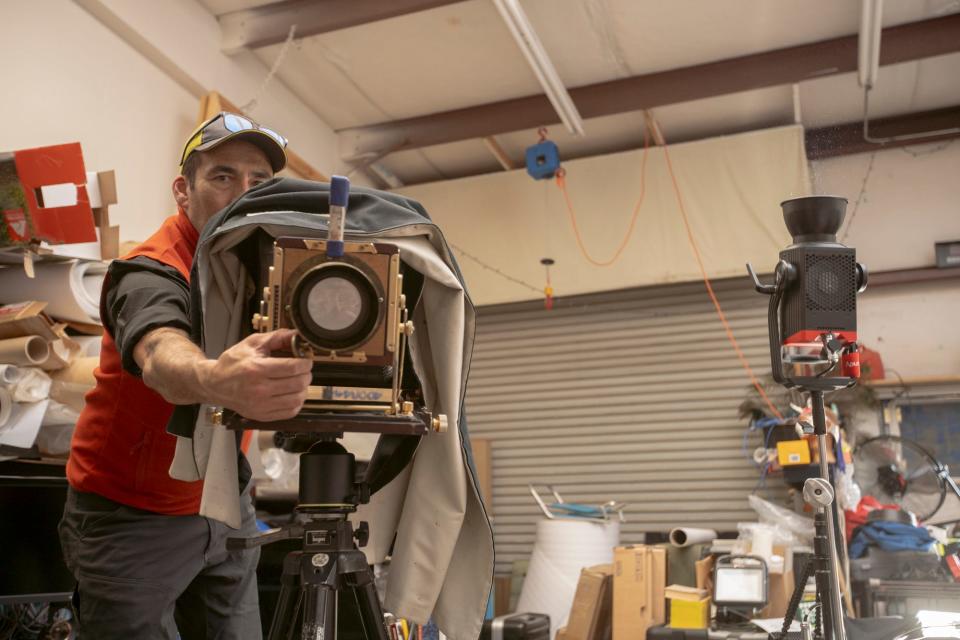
x: 26, y: 319
x: 791, y: 452
x: 639, y: 581
x: 591, y: 614
x: 29, y: 176
x: 501, y: 595
x: 781, y: 589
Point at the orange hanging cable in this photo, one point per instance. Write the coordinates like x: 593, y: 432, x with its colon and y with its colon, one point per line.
x: 562, y: 183
x: 713, y: 297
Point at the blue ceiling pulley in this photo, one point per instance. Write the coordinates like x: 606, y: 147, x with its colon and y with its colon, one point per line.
x: 543, y: 158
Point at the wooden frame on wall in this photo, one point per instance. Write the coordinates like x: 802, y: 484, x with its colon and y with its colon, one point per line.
x: 213, y: 103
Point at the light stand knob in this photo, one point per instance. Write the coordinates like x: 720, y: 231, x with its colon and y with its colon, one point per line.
x: 818, y: 492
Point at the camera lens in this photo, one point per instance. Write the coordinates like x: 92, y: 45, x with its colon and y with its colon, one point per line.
x: 334, y: 304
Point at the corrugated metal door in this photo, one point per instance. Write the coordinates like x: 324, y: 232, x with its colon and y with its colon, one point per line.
x: 630, y: 395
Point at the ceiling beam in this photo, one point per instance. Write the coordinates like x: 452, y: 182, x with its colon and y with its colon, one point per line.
x: 270, y: 24
x: 824, y: 142
x: 913, y: 41
x: 846, y: 139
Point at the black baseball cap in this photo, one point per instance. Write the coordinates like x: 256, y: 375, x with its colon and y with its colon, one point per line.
x: 231, y: 126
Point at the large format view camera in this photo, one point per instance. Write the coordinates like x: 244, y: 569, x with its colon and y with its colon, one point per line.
x: 348, y: 302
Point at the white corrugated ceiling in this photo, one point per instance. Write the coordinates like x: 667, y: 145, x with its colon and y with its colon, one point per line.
x: 462, y: 55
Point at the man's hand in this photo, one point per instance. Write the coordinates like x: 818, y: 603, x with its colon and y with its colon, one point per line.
x: 246, y: 379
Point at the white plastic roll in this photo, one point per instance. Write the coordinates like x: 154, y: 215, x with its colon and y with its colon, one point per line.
x: 762, y: 543
x: 33, y: 386
x: 6, y: 406
x: 9, y: 374
x: 71, y: 288
x: 561, y: 549
x: 685, y: 536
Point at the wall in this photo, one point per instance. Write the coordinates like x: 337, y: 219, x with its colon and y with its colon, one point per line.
x: 910, y: 201
x: 68, y: 77
x: 731, y: 189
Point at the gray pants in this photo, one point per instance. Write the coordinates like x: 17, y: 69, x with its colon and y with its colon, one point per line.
x: 150, y: 576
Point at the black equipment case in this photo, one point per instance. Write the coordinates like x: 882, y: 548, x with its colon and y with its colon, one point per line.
x: 517, y: 626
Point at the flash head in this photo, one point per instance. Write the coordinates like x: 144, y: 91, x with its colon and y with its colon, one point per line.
x: 812, y: 219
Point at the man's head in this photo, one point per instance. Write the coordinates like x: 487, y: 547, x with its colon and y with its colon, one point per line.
x: 223, y: 158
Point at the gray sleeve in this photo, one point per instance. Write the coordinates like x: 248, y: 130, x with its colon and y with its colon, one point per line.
x: 140, y: 295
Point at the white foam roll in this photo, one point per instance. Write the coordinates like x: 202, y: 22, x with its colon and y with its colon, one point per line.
x: 9, y: 374
x: 561, y: 549
x: 6, y: 406
x: 25, y: 351
x: 685, y: 536
x: 71, y: 288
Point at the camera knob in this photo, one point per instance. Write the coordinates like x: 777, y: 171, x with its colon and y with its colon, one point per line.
x: 362, y: 534
x: 407, y: 328
x: 439, y: 423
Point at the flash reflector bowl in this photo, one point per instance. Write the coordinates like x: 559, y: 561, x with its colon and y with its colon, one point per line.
x: 814, y: 218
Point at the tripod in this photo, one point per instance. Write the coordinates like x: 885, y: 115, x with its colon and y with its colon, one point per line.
x: 329, y: 564
x: 818, y: 493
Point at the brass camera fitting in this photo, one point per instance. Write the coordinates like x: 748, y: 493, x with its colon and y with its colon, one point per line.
x: 439, y: 423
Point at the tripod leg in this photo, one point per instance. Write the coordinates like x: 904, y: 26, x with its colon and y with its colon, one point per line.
x: 319, y: 612
x: 284, y: 616
x: 821, y: 547
x: 370, y: 612
x: 359, y: 578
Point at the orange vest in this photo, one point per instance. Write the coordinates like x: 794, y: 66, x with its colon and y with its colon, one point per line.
x: 121, y: 448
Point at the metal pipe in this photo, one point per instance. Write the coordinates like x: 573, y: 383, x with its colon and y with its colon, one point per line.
x: 835, y: 603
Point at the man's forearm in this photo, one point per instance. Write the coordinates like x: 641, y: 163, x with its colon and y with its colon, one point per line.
x: 246, y: 377
x: 173, y: 366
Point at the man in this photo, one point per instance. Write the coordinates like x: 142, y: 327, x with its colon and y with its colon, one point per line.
x: 146, y: 564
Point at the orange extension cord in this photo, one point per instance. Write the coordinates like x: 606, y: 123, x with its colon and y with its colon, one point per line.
x: 561, y: 182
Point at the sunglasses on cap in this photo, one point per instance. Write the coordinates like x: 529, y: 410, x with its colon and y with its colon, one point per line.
x: 222, y: 126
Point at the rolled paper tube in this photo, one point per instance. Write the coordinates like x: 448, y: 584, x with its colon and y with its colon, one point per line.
x: 79, y: 372
x: 28, y: 351
x: 70, y: 385
x: 59, y: 356
x: 89, y: 345
x: 71, y: 288
x: 6, y: 406
x: 685, y: 536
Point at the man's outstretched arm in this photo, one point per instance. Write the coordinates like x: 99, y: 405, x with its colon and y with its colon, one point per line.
x: 245, y: 378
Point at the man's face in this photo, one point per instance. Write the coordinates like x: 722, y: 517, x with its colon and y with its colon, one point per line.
x: 224, y: 174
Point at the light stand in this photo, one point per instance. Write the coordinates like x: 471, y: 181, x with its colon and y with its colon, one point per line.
x: 813, y: 305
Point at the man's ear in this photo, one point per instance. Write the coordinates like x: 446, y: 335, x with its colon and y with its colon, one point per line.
x: 180, y: 195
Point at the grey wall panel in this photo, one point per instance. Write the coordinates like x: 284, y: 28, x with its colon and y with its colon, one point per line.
x: 627, y: 395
